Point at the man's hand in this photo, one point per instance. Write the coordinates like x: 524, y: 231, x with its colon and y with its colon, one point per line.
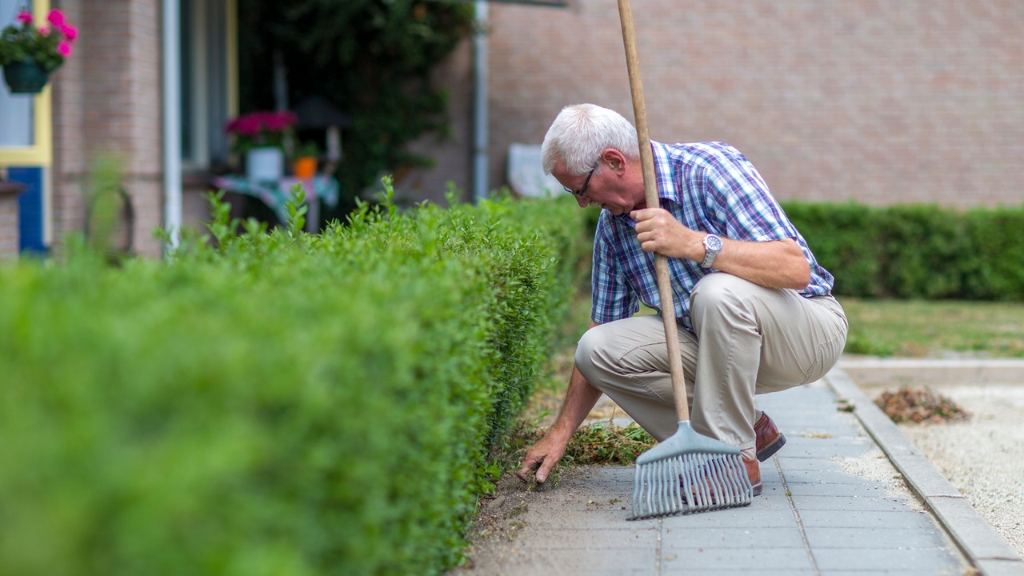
x: 773, y: 264
x: 658, y: 231
x: 543, y: 455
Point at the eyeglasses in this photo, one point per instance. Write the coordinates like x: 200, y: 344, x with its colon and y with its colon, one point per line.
x: 583, y: 190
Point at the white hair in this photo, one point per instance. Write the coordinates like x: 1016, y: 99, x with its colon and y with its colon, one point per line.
x: 581, y: 132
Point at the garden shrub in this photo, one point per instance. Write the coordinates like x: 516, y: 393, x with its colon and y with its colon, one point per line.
x: 916, y: 251
x: 281, y: 403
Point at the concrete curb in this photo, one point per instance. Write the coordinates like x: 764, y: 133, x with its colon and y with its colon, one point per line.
x: 984, y: 548
x: 903, y: 371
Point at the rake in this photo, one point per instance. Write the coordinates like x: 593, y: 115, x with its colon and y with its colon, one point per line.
x: 687, y: 472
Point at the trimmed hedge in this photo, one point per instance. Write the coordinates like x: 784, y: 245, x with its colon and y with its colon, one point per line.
x: 917, y: 251
x: 284, y: 403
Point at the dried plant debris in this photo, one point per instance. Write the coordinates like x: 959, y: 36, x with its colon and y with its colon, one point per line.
x: 606, y: 443
x: 918, y: 405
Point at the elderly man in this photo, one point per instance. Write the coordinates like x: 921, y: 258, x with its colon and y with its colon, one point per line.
x: 754, y: 308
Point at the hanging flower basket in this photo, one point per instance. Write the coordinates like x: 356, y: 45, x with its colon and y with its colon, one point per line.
x: 29, y: 54
x: 25, y: 77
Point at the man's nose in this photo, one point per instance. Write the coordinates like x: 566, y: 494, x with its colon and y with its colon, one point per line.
x: 583, y: 201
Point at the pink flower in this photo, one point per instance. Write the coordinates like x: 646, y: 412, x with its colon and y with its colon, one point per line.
x: 56, y: 17
x: 278, y: 121
x: 247, y: 125
x: 25, y: 16
x: 69, y: 32
x: 44, y: 31
x: 64, y: 48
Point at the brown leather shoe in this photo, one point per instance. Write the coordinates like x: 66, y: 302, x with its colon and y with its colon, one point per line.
x: 754, y: 473
x: 769, y: 439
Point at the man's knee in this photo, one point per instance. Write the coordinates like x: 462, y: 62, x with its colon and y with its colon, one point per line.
x: 590, y: 347
x: 717, y: 293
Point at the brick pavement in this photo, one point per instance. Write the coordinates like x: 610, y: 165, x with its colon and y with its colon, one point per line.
x: 832, y: 504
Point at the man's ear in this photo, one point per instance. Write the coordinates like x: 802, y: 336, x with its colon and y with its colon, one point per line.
x: 615, y: 159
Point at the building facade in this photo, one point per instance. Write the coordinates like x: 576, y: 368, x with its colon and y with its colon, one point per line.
x: 108, y: 101
x: 832, y: 100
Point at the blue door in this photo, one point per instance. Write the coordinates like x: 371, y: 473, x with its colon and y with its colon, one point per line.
x: 30, y: 209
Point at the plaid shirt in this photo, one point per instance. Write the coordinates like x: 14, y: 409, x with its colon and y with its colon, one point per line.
x: 710, y: 187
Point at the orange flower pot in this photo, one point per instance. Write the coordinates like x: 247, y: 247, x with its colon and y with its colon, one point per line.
x: 304, y: 167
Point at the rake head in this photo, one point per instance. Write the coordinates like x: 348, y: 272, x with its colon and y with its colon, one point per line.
x: 689, y: 473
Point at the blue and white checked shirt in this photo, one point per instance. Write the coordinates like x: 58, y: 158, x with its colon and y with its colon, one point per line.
x: 709, y: 187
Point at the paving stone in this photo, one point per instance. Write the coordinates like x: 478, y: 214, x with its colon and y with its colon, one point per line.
x: 556, y: 539
x: 748, y: 537
x: 821, y: 489
x: 608, y: 562
x: 903, y: 519
x: 819, y: 537
x: 934, y: 560
x: 900, y: 572
x: 848, y: 449
x: 1002, y: 567
x: 848, y: 503
x: 735, y: 559
x: 726, y: 571
x: 822, y: 477
x: 805, y: 463
x: 734, y: 518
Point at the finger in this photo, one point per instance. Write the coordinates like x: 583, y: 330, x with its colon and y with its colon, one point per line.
x: 528, y: 464
x: 545, y: 469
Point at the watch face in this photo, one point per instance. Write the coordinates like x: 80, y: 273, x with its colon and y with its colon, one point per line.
x: 713, y: 242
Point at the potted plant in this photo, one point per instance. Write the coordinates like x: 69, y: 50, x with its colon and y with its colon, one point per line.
x: 29, y: 54
x: 304, y: 164
x: 261, y: 137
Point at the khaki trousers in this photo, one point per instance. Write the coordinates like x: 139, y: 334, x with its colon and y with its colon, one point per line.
x: 747, y: 340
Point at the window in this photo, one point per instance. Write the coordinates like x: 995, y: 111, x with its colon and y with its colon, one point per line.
x: 25, y: 125
x: 208, y: 85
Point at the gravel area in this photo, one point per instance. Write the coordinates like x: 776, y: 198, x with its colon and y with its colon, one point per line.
x: 983, y: 457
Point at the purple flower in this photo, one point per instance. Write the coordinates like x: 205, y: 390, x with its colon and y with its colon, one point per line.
x: 56, y: 17
x: 25, y: 16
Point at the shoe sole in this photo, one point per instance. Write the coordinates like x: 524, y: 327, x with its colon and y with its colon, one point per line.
x: 770, y: 450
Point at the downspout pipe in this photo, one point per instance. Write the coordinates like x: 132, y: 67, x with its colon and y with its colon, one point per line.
x: 480, y: 169
x: 172, y: 118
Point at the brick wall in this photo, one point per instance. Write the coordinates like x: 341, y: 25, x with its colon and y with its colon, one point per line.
x: 108, y: 101
x: 881, y: 102
x: 453, y: 155
x: 8, y: 226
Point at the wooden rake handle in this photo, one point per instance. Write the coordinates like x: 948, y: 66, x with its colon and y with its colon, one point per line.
x: 668, y: 308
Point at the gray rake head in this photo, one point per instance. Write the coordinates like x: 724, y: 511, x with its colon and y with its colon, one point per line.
x: 689, y: 473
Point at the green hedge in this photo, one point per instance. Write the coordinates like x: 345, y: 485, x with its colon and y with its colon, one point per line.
x: 284, y: 403
x: 917, y: 251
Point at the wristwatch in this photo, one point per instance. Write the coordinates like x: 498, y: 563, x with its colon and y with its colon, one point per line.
x: 712, y: 246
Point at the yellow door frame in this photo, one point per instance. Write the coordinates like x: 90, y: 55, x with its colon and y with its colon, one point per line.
x: 40, y: 153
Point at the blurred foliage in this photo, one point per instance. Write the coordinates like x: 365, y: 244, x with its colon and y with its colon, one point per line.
x: 372, y: 59
x: 916, y: 251
x: 267, y: 403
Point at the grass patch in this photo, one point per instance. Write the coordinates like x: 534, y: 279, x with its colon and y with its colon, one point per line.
x: 919, y: 328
